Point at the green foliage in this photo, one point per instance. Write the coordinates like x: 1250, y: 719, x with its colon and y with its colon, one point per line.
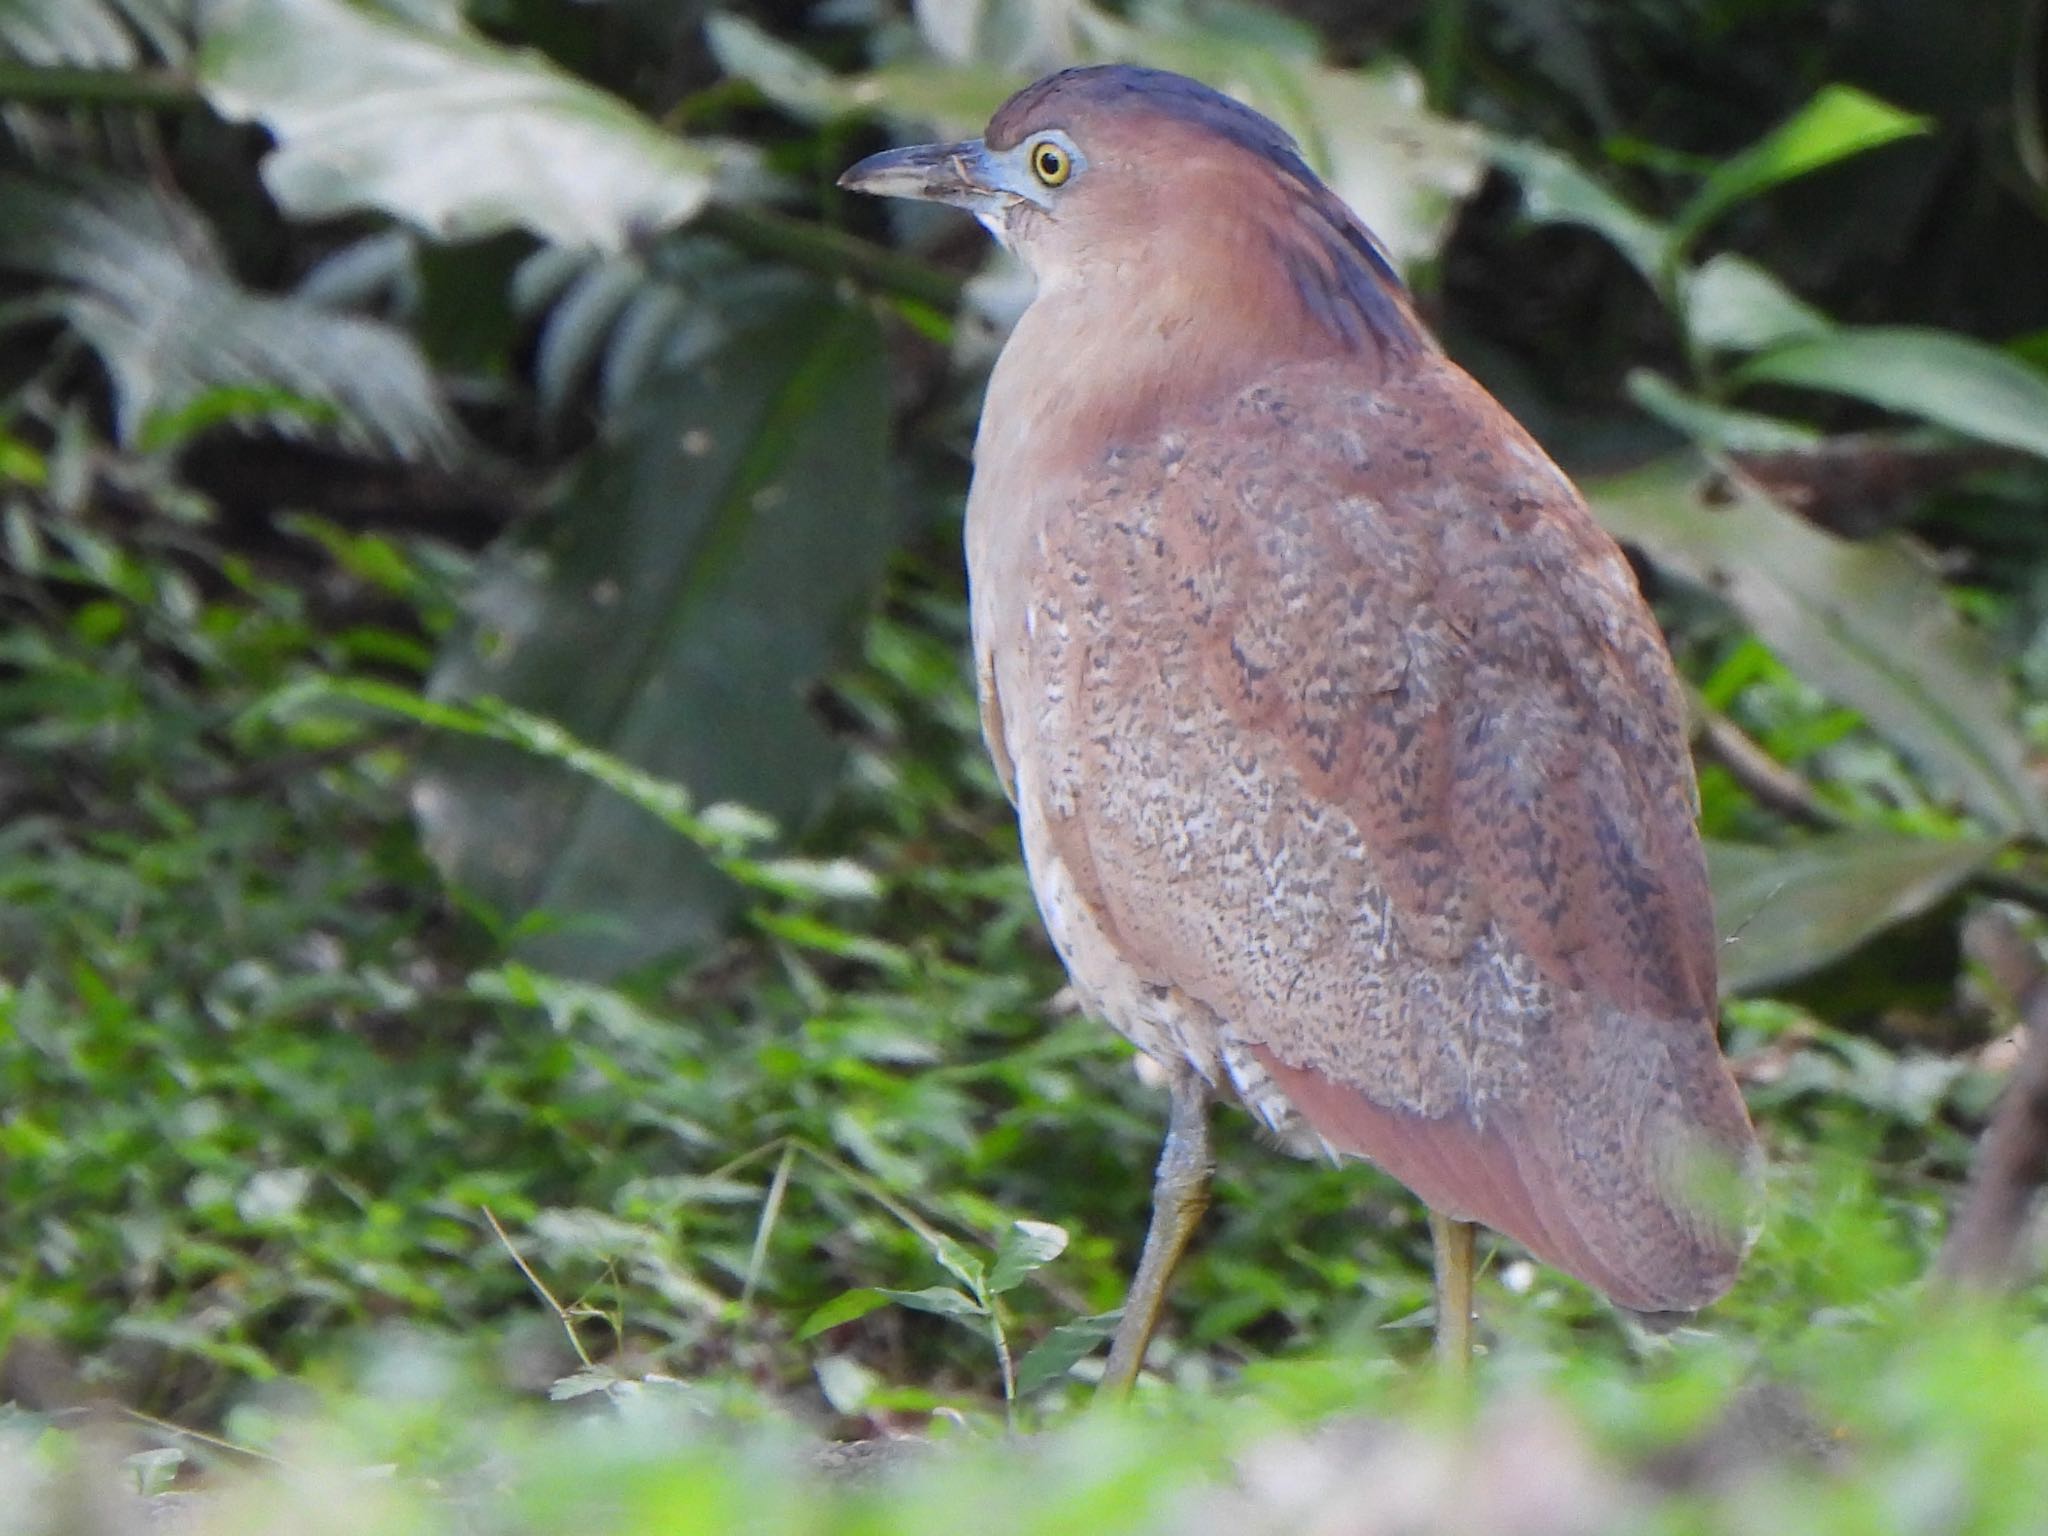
x: 496, y: 838
x: 1948, y: 380
x: 711, y: 550
x: 434, y: 125
x: 1905, y: 1422
x: 138, y: 277
x: 1839, y: 122
x: 1839, y: 609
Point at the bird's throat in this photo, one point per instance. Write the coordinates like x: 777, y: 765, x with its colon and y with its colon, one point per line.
x: 1115, y: 364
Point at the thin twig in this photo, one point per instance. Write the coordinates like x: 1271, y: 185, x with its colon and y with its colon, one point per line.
x: 1767, y: 780
x: 1003, y: 1360
x: 2029, y: 130
x: 540, y: 1286
x: 771, y: 1208
x: 832, y: 252
x: 1778, y: 788
x: 2011, y: 1167
x: 198, y: 1436
x: 2003, y: 885
x: 67, y: 85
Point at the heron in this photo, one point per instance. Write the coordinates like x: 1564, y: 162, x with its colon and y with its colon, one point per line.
x: 1350, y: 765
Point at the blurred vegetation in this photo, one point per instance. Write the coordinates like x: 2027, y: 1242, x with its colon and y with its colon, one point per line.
x: 495, y: 842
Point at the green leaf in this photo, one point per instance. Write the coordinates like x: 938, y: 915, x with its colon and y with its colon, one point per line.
x: 1733, y: 305
x: 1936, y: 375
x: 1405, y: 170
x: 1785, y: 911
x: 847, y: 1384
x: 815, y: 879
x: 1059, y: 1351
x: 440, y: 127
x: 941, y: 1299
x: 719, y: 829
x: 954, y: 100
x: 141, y: 278
x: 103, y: 34
x: 843, y: 1308
x: 1557, y: 191
x: 1034, y: 36
x: 787, y: 76
x: 1867, y: 622
x: 698, y: 574
x: 1839, y: 122
x: 1716, y: 426
x: 231, y: 405
x: 956, y: 1260
x: 584, y: 1383
x: 1368, y: 131
x: 1028, y: 1245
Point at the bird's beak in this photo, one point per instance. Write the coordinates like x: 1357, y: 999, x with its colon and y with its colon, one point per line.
x: 965, y: 175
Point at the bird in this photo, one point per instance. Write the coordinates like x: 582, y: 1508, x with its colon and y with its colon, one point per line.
x: 1350, y: 765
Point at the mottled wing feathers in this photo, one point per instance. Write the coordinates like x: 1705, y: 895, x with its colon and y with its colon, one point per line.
x: 1343, y: 719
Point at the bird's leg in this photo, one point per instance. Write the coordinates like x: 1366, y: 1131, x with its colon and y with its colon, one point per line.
x: 1453, y: 1243
x: 1180, y: 1194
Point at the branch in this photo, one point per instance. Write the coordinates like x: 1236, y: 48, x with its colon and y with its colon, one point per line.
x: 2011, y: 1167
x: 1769, y: 782
x: 1778, y: 788
x: 65, y: 85
x: 2002, y: 885
x: 831, y: 252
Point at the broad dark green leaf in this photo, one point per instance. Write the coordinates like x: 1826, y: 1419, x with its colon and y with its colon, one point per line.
x: 1026, y: 1246
x: 694, y: 579
x: 1784, y: 911
x: 440, y: 127
x: 1839, y: 122
x: 1936, y: 375
x: 1059, y: 1351
x: 1867, y: 622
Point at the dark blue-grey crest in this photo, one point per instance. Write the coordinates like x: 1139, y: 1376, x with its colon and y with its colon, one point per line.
x: 1128, y: 86
x: 1357, y: 287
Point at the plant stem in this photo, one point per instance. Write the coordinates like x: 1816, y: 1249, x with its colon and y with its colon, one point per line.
x: 1768, y: 781
x: 830, y: 251
x: 68, y: 85
x: 2002, y: 885
x: 1443, y: 51
x: 1009, y: 1369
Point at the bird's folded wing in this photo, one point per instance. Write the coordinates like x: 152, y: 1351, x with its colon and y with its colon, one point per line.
x: 1367, y: 742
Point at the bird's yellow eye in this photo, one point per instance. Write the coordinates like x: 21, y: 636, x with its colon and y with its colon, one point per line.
x: 1050, y: 164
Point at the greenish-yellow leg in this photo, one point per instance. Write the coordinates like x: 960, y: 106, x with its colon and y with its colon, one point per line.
x: 1453, y: 1240
x: 1180, y: 1194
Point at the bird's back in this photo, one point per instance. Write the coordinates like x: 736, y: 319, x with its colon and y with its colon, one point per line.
x: 1351, y: 765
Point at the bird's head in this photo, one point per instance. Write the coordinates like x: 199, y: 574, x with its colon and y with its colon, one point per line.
x: 1139, y: 177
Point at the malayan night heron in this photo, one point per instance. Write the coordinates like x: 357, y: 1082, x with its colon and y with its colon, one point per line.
x: 1350, y: 764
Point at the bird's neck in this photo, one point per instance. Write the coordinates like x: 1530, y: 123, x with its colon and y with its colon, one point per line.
x: 1117, y: 359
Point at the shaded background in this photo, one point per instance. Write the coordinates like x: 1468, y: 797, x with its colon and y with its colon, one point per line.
x: 486, y: 725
